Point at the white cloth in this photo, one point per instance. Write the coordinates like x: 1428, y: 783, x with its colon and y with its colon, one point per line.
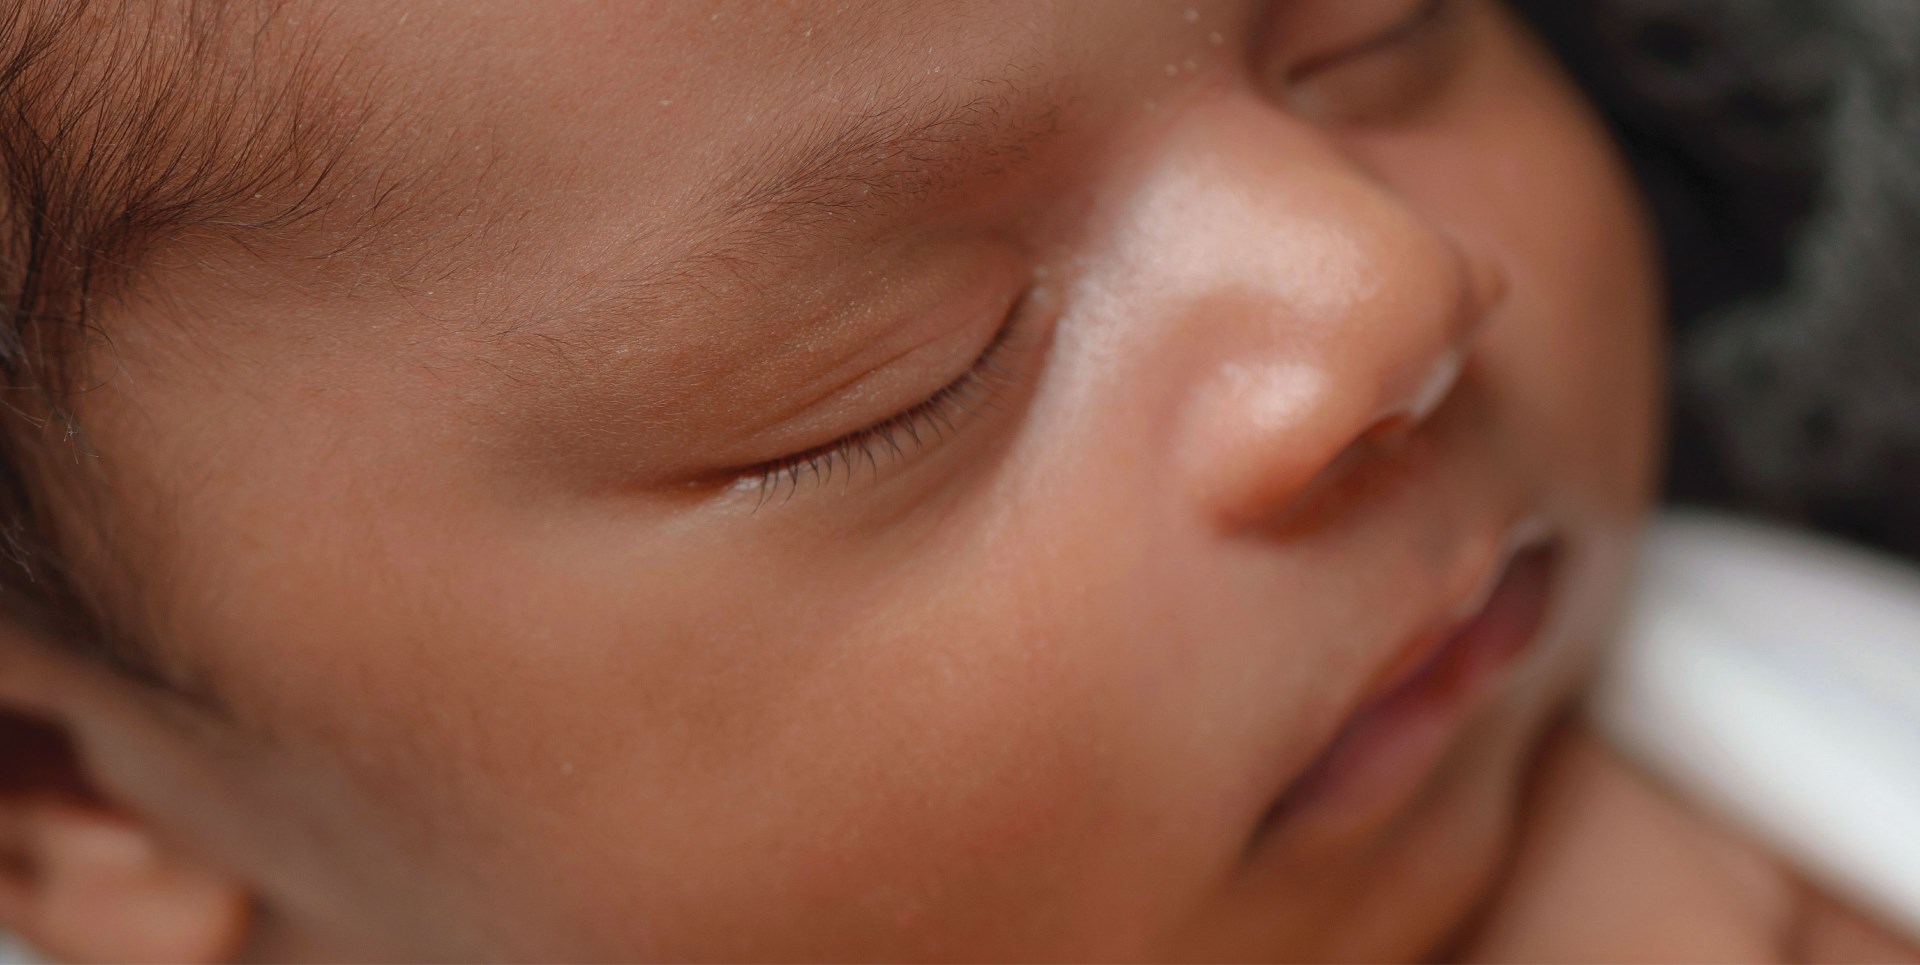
x: 1775, y: 677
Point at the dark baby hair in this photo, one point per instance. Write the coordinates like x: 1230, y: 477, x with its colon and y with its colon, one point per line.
x: 125, y: 128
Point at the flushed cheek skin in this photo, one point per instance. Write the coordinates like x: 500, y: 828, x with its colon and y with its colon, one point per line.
x: 1287, y: 389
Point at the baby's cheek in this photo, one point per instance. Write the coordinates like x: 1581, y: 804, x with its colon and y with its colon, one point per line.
x: 865, y: 752
x: 569, y: 724
x: 1578, y: 350
x: 968, y: 754
x: 978, y: 763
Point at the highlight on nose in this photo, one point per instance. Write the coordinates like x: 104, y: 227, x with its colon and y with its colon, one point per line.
x: 1277, y: 433
x: 1294, y: 404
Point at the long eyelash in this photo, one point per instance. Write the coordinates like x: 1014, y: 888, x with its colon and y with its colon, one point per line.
x: 897, y: 437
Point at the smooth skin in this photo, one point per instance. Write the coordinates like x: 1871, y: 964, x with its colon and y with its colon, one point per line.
x: 500, y: 530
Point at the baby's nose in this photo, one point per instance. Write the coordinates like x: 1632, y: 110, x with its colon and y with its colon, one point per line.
x: 1282, y: 418
x: 1332, y: 319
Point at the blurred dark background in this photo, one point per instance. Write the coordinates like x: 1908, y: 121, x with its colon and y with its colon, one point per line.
x: 1779, y: 144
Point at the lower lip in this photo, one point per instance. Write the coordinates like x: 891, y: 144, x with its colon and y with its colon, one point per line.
x: 1388, y: 748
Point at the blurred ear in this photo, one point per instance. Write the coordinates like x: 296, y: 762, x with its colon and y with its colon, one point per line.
x: 86, y: 885
x: 81, y: 878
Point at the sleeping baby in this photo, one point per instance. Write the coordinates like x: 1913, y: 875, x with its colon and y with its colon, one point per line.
x: 854, y: 480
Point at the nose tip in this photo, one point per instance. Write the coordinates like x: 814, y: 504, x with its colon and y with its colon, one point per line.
x: 1285, y: 431
x: 1287, y: 459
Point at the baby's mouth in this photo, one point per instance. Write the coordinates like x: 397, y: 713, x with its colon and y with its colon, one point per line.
x: 1385, y: 751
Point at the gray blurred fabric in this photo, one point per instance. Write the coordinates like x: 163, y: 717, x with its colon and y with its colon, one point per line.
x: 1779, y: 141
x: 14, y: 953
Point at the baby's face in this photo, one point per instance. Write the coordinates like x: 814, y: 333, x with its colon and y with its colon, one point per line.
x: 864, y: 480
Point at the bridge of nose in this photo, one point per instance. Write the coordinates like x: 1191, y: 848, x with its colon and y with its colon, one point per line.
x: 1297, y: 303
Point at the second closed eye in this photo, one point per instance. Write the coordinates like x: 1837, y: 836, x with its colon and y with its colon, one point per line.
x: 1399, y: 22
x: 1362, y: 62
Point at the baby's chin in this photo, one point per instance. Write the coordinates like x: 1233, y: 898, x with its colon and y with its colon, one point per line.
x: 1419, y: 886
x: 1448, y: 852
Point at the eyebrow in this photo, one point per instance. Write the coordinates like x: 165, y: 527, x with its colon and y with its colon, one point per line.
x: 848, y: 172
x: 899, y: 153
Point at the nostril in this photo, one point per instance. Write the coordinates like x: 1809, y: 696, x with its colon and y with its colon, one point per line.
x: 1417, y: 405
x: 1362, y: 472
x: 1387, y: 432
x: 1285, y: 444
x: 1384, y: 454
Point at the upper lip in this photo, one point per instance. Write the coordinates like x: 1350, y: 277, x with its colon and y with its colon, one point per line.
x: 1438, y: 632
x: 1467, y: 591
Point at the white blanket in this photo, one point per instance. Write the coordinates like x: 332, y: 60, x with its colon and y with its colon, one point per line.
x: 1775, y: 677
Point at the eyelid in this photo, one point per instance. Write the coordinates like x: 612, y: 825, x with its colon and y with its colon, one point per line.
x: 1402, y: 28
x: 897, y: 437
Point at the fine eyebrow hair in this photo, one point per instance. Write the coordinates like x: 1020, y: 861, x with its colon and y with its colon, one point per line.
x: 852, y: 170
x: 847, y: 173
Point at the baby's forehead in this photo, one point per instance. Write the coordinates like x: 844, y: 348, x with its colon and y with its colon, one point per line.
x: 532, y: 186
x: 416, y: 142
